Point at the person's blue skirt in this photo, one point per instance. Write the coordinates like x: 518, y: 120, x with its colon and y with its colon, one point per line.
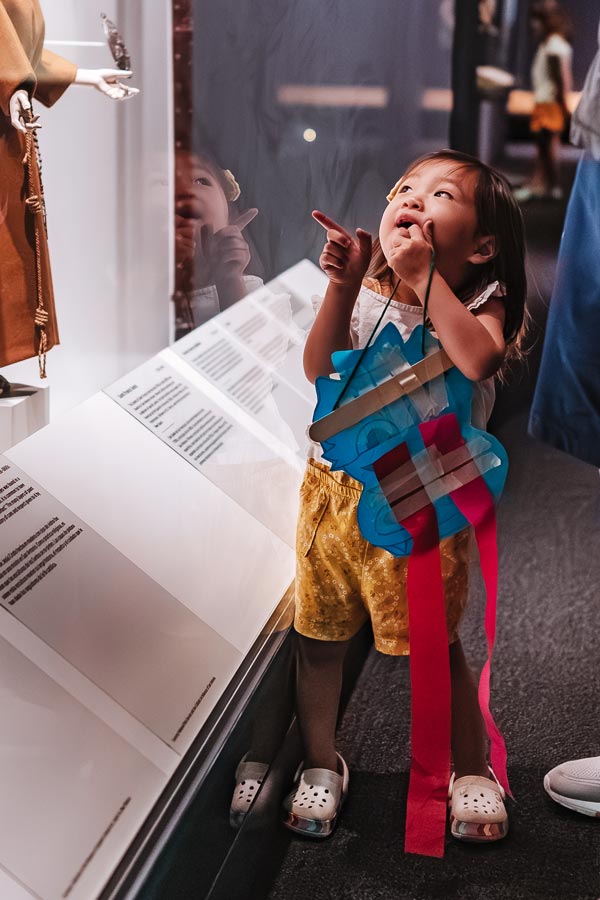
x: 566, y: 406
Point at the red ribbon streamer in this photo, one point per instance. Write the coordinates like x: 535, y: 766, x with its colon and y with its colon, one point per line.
x: 476, y: 503
x: 429, y: 658
x: 430, y: 678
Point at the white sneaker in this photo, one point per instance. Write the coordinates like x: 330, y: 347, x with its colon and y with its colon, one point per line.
x: 576, y: 785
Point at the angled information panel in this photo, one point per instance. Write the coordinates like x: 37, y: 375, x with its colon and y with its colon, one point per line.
x: 208, y: 437
x: 252, y: 354
x: 145, y: 539
x: 102, y: 614
x: 73, y: 791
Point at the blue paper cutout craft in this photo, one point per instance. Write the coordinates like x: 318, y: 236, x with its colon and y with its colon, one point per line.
x: 355, y: 449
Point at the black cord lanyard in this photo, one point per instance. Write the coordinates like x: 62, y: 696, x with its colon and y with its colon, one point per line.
x: 368, y: 344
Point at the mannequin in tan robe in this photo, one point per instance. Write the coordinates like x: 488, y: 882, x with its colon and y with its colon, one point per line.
x: 25, y: 65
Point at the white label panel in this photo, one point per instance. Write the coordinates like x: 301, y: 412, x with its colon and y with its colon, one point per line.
x: 104, y: 616
x: 186, y: 534
x: 74, y: 794
x: 211, y: 440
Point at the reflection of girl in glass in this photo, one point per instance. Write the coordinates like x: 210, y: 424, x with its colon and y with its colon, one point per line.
x: 551, y: 81
x: 211, y: 251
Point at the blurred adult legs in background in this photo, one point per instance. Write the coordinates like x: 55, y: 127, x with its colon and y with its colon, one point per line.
x: 544, y: 181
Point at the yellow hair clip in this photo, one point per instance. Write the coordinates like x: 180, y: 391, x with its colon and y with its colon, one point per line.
x: 233, y: 190
x: 393, y: 191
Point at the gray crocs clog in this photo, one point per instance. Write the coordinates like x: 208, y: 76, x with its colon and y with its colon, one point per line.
x: 313, y: 806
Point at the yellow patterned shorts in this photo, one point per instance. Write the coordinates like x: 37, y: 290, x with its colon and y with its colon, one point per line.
x: 342, y: 580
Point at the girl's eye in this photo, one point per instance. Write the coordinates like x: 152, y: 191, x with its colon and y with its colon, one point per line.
x: 445, y: 193
x: 404, y: 188
x: 202, y: 180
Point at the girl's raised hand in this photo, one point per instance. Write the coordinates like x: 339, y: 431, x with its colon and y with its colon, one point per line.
x: 345, y: 259
x: 225, y: 254
x: 410, y: 256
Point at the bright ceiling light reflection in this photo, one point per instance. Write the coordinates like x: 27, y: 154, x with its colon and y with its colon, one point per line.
x: 309, y: 135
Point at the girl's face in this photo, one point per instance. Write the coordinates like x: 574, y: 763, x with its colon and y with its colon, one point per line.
x: 441, y: 192
x: 199, y: 197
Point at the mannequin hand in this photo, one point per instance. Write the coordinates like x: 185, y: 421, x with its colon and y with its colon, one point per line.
x: 344, y: 259
x: 410, y: 255
x: 107, y: 82
x: 224, y: 255
x: 20, y: 112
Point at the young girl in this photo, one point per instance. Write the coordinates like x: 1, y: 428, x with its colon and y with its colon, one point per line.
x: 465, y: 211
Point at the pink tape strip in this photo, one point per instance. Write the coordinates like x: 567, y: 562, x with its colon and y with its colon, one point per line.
x: 429, y: 658
x: 476, y: 503
x: 430, y: 678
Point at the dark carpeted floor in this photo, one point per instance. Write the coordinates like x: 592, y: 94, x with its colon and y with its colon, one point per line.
x: 545, y: 693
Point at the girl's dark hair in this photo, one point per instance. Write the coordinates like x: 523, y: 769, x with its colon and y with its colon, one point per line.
x: 553, y: 18
x: 498, y: 214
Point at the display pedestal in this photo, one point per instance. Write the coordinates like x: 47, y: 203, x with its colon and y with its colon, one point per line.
x: 22, y: 413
